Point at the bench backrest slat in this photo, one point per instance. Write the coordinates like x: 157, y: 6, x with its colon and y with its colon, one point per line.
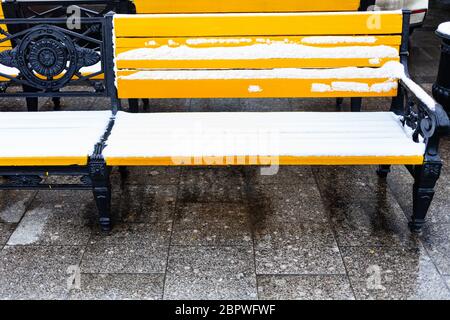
x: 208, y: 6
x: 169, y: 55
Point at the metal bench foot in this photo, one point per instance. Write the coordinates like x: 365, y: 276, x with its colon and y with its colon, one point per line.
x: 101, y: 187
x: 425, y: 178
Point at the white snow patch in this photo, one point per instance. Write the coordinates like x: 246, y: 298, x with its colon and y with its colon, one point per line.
x: 200, y: 41
x: 51, y: 134
x: 444, y: 28
x: 260, y: 134
x: 254, y: 88
x: 30, y: 227
x: 343, y: 86
x: 274, y: 50
x: 391, y: 70
x: 375, y: 61
x: 338, y: 39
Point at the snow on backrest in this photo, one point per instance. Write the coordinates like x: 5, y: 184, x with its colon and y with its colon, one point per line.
x: 146, y: 45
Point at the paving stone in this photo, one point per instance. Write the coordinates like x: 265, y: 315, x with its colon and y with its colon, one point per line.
x: 131, y: 257
x: 13, y: 204
x: 148, y: 176
x: 37, y: 272
x: 393, y: 273
x: 6, y: 229
x: 119, y: 287
x: 436, y: 240
x: 311, y: 287
x: 284, y: 204
x: 215, y: 105
x: 144, y: 204
x: 284, y: 255
x: 401, y: 184
x: 212, y: 224
x: 205, y: 273
x: 57, y: 218
x: 211, y: 184
x: 300, y: 176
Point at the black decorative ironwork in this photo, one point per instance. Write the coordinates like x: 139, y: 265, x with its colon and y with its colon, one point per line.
x: 49, y: 57
x: 441, y: 89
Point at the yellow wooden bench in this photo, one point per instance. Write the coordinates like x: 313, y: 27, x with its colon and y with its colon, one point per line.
x: 257, y: 55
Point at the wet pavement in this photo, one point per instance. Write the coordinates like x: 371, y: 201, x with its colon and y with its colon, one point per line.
x: 231, y: 233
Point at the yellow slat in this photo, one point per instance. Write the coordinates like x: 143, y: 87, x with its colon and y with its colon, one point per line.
x: 270, y: 24
x: 249, y: 160
x: 237, y: 88
x: 202, y: 6
x: 123, y: 44
x: 44, y: 161
x: 250, y: 64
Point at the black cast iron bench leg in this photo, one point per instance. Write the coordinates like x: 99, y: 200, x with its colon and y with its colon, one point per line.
x: 101, y: 187
x: 425, y: 178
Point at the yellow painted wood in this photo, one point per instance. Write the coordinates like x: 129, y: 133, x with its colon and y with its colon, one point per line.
x: 125, y: 44
x: 270, y: 24
x: 251, y: 160
x: 250, y: 64
x: 202, y: 6
x: 236, y: 88
x: 44, y: 161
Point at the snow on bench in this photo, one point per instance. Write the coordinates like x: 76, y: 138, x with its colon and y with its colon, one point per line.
x: 50, y: 138
x: 294, y: 137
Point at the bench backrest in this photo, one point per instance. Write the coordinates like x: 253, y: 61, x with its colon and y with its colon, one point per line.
x: 260, y: 55
x: 223, y: 6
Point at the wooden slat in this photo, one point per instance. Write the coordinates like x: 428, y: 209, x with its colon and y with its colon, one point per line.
x: 270, y: 24
x: 251, y: 64
x: 44, y: 161
x: 129, y: 44
x: 123, y: 44
x: 258, y: 160
x: 203, y: 6
x: 238, y: 88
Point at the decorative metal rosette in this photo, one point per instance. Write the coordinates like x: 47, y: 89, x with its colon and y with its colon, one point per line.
x: 48, y: 58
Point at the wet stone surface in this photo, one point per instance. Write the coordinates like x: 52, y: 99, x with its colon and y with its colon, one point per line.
x: 231, y: 232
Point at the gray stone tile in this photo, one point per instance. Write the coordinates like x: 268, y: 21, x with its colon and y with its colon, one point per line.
x: 401, y: 185
x: 56, y: 218
x: 37, y: 272
x: 144, y: 204
x: 284, y: 255
x: 265, y: 105
x: 119, y: 287
x: 156, y: 234
x: 401, y: 286
x: 130, y: 257
x: 394, y: 259
x: 393, y: 273
x: 6, y: 229
x: 301, y: 176
x: 311, y: 287
x: 148, y: 176
x: 284, y: 204
x: 13, y: 204
x: 212, y: 224
x: 371, y: 222
x: 210, y: 273
x: 211, y: 184
x: 436, y: 240
x: 215, y: 105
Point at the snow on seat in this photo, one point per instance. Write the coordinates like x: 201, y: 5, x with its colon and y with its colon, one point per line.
x: 288, y: 138
x: 50, y: 138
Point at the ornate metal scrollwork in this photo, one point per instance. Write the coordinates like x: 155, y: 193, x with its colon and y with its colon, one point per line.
x: 48, y: 58
x: 24, y: 180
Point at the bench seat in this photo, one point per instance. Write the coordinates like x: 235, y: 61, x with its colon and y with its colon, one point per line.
x: 50, y: 138
x: 257, y: 138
